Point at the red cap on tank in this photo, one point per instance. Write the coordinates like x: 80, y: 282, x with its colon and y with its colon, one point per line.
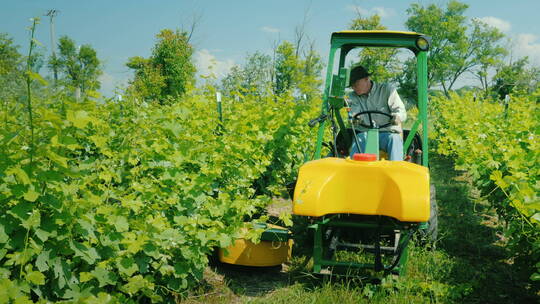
x: 364, y: 157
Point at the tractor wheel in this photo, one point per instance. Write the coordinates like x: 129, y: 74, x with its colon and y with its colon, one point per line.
x: 429, y: 234
x: 433, y: 217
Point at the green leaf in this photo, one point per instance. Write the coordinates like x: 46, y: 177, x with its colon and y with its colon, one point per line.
x: 20, y: 174
x: 85, y: 276
x: 121, y: 224
x: 90, y: 255
x: 93, y: 94
x: 3, y: 253
x: 103, y: 276
x: 3, y: 236
x: 62, y: 161
x: 135, y: 284
x: 34, y: 220
x: 224, y: 240
x: 177, y: 284
x: 87, y: 227
x: 78, y: 118
x: 36, y: 76
x: 497, y: 177
x: 42, y: 234
x: 51, y: 201
x: 151, y: 250
x: 99, y: 141
x: 42, y: 261
x: 35, y: 277
x: 22, y: 210
x: 31, y: 195
x: 143, y: 261
x: 127, y: 266
x: 102, y: 298
x: 61, y: 271
x: 4, y: 274
x: 77, y: 294
x: 286, y: 217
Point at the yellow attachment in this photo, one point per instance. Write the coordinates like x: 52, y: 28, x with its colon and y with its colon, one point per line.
x: 331, y: 185
x: 265, y: 253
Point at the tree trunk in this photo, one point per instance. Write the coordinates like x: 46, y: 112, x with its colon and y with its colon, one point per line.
x: 77, y: 93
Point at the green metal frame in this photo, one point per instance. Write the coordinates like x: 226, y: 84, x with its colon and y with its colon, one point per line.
x: 349, y: 40
x: 344, y: 267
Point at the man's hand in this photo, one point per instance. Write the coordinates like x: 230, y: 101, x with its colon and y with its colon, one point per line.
x: 395, y: 120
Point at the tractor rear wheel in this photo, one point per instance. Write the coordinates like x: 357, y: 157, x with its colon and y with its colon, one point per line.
x: 433, y: 217
x: 429, y: 234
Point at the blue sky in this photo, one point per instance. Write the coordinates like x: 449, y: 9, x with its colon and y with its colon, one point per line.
x: 228, y: 30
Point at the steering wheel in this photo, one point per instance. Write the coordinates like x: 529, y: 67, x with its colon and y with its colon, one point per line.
x: 371, y: 125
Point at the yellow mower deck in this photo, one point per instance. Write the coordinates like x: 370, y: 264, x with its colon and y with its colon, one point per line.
x: 274, y: 248
x: 265, y: 253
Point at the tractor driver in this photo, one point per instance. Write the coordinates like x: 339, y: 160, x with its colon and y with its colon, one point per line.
x: 370, y: 96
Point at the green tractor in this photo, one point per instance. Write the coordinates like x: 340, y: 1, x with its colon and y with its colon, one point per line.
x: 364, y: 211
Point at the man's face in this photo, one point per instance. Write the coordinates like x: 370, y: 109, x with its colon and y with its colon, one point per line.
x: 361, y: 86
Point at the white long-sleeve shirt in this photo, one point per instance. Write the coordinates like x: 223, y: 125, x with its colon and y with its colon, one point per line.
x: 382, y: 97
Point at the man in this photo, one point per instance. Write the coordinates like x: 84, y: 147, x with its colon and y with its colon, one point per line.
x: 370, y: 96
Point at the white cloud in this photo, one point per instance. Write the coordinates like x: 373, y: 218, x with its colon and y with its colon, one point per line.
x: 208, y: 64
x: 522, y: 44
x: 379, y: 10
x: 528, y: 45
x: 502, y: 25
x: 269, y: 29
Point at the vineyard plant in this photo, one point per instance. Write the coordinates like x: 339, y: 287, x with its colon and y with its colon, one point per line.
x: 127, y: 199
x: 497, y: 143
x: 105, y: 201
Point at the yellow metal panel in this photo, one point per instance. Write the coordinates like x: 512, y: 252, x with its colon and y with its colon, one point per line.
x: 263, y: 254
x: 397, y: 189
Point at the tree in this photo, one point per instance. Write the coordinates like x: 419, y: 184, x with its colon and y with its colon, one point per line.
x: 37, y: 60
x: 457, y: 46
x: 516, y: 77
x: 447, y: 29
x: 310, y: 77
x: 381, y: 62
x: 149, y: 81
x: 407, y: 82
x: 488, y: 53
x: 9, y: 55
x: 253, y: 78
x: 294, y: 74
x: 78, y: 67
x: 10, y: 68
x: 169, y: 71
x: 286, y: 74
x: 482, y: 51
x: 287, y: 68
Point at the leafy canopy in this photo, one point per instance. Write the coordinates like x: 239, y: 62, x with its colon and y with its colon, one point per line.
x: 168, y: 72
x: 79, y: 67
